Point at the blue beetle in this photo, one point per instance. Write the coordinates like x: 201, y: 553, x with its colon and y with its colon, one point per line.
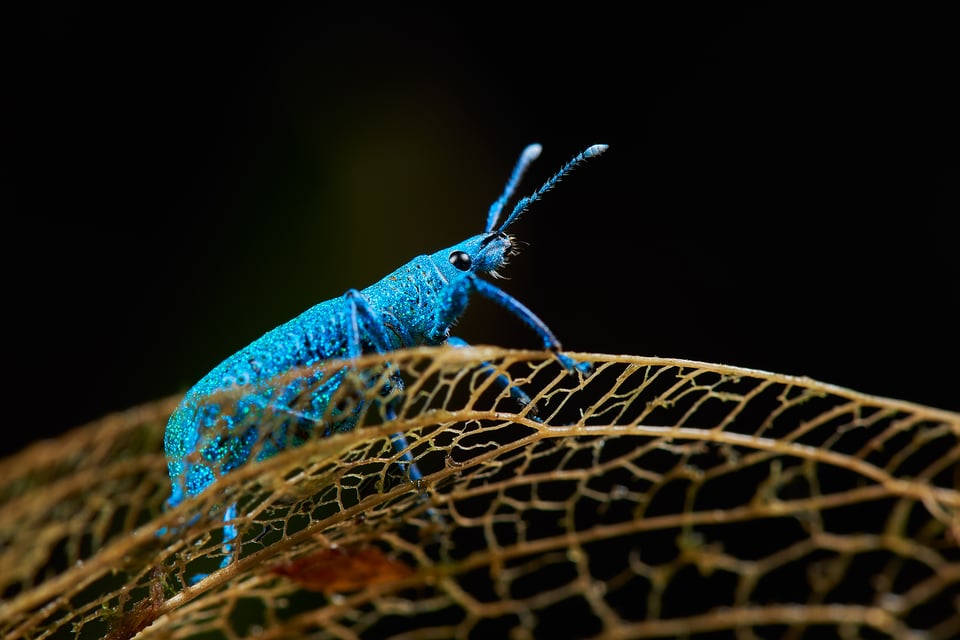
x: 217, y: 428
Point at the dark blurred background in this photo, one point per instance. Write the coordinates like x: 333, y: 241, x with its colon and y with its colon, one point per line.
x: 780, y: 190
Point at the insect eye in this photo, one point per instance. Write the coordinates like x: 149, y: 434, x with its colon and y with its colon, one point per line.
x: 461, y: 260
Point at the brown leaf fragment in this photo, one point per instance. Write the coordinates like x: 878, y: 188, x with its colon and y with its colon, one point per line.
x: 341, y: 569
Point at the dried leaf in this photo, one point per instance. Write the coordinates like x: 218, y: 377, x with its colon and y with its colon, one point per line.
x: 650, y: 498
x: 341, y: 569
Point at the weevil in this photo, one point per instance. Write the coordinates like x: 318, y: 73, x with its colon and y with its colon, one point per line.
x: 211, y: 431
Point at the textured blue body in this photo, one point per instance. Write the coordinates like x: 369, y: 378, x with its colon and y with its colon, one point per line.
x: 420, y: 292
x: 216, y: 427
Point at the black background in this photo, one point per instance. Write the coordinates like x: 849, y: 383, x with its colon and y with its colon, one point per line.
x: 780, y: 190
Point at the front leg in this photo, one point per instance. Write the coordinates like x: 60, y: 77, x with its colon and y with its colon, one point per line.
x: 502, y: 381
x: 454, y: 302
x: 450, y: 307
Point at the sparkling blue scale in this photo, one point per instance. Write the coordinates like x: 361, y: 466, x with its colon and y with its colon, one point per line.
x: 217, y: 426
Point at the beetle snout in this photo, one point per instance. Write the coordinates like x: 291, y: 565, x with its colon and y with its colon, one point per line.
x: 496, y: 235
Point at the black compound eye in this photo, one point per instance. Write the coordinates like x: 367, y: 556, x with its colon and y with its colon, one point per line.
x: 461, y: 260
